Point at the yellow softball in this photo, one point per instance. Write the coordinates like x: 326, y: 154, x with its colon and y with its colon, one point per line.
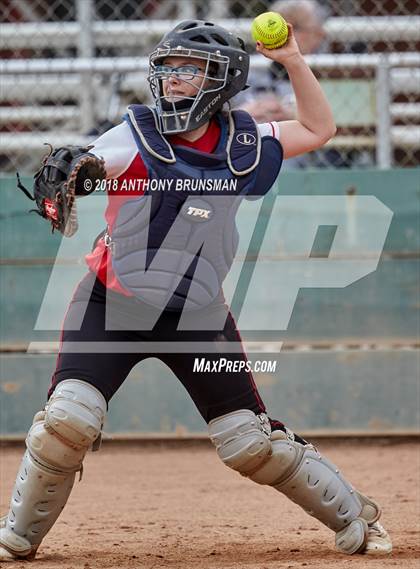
x: 270, y: 29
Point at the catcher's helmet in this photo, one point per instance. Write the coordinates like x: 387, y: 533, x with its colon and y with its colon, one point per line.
x: 226, y: 71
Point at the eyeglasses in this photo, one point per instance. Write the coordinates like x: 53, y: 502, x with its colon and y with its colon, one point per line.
x: 183, y: 72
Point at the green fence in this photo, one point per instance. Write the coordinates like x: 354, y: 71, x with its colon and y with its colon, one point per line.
x: 350, y: 357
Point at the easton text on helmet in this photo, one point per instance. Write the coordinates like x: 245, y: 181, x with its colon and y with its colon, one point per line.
x: 207, y: 107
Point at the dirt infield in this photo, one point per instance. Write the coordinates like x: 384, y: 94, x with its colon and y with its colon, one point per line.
x: 152, y: 508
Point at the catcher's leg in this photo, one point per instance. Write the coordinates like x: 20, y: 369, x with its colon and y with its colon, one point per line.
x: 56, y: 445
x: 246, y: 443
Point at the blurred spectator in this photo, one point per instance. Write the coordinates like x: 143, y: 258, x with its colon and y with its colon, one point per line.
x: 307, y: 18
x: 271, y: 98
x: 266, y: 107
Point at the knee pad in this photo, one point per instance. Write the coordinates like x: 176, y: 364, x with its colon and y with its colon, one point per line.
x: 56, y: 445
x: 71, y: 422
x: 245, y: 443
x: 242, y: 440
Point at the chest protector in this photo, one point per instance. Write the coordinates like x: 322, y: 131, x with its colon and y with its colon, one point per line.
x: 173, y: 246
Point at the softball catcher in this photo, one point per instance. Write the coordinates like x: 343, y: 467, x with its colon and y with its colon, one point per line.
x: 186, y: 135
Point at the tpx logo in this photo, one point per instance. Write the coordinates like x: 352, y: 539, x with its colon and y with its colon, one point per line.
x: 202, y: 213
x: 246, y: 138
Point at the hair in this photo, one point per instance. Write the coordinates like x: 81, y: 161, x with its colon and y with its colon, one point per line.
x: 296, y: 11
x: 213, y: 68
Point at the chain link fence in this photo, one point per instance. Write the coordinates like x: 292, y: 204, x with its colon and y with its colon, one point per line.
x: 70, y: 67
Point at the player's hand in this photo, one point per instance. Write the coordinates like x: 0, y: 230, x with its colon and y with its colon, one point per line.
x: 284, y: 54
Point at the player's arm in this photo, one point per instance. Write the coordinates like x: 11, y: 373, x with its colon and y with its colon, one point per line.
x: 117, y: 148
x: 314, y: 124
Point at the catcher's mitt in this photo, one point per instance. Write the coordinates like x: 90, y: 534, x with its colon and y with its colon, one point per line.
x: 61, y: 177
